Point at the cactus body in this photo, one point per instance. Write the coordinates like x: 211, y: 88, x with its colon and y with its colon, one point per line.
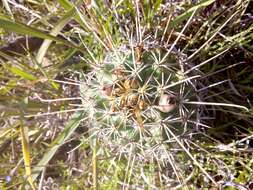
x: 135, y: 95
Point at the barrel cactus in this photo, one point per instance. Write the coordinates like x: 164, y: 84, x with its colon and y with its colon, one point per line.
x: 138, y: 96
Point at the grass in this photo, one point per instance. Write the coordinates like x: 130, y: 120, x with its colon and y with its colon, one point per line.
x: 57, y: 125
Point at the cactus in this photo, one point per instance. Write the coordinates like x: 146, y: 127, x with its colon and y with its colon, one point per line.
x: 134, y: 96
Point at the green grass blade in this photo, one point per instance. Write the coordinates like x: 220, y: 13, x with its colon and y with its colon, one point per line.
x: 23, y: 29
x: 78, y: 17
x: 63, y: 136
x: 22, y: 73
x: 189, y: 12
x: 65, y: 4
x: 82, y: 20
x: 56, y: 30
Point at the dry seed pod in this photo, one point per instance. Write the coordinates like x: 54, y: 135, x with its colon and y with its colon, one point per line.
x: 131, y: 84
x: 167, y: 103
x: 142, y: 105
x: 132, y: 100
x: 118, y: 89
x: 119, y: 73
x: 123, y: 101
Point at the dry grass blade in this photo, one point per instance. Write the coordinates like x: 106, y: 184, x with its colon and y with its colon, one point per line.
x: 218, y: 104
x: 189, y: 12
x: 191, y: 156
x: 7, y: 7
x: 94, y: 165
x: 213, y: 35
x: 26, y: 154
x: 56, y: 30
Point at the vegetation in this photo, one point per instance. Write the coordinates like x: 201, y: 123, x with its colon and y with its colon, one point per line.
x: 126, y: 94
